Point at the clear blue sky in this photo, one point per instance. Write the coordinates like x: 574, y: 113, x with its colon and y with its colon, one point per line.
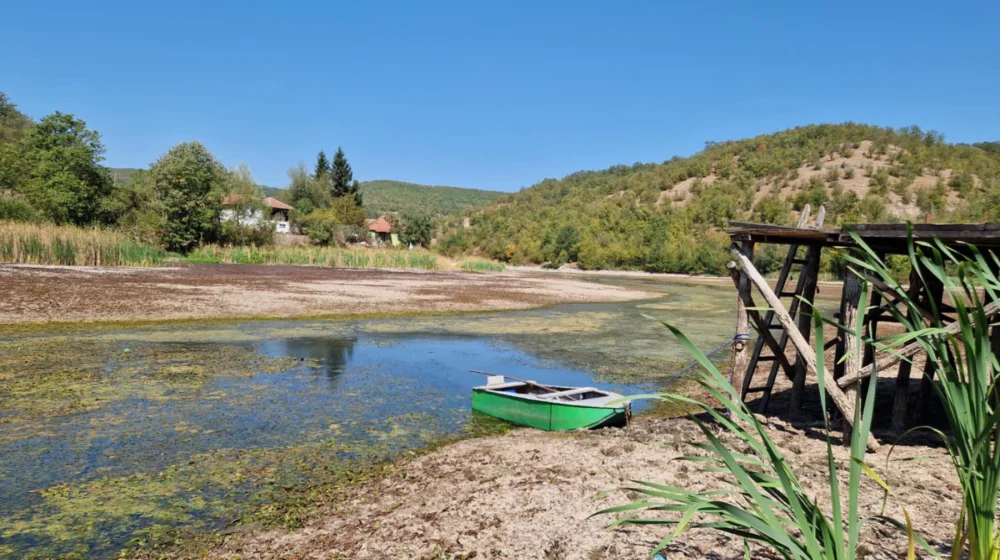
x: 494, y: 95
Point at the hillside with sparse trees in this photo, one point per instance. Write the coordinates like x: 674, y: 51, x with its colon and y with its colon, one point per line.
x: 670, y: 216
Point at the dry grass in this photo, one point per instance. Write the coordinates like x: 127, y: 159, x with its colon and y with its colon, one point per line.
x: 25, y: 243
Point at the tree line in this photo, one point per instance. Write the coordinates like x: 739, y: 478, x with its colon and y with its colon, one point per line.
x: 51, y: 171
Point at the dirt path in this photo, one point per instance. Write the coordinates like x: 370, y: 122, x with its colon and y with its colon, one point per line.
x: 52, y: 293
x: 530, y: 494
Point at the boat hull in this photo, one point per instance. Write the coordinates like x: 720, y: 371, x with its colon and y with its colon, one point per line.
x: 547, y: 415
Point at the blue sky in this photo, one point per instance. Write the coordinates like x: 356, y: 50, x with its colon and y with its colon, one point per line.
x: 495, y: 95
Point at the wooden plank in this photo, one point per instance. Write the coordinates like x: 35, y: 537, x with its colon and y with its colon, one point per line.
x: 807, y: 353
x: 908, y: 351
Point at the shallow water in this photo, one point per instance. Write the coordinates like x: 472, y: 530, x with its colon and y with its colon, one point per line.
x: 112, y: 438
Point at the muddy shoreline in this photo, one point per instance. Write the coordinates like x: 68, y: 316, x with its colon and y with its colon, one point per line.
x: 51, y: 294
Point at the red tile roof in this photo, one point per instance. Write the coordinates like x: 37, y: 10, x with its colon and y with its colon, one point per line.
x: 233, y: 199
x: 380, y: 225
x: 277, y: 204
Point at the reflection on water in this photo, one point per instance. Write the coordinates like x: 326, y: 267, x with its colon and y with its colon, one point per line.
x: 95, y: 415
x: 326, y: 356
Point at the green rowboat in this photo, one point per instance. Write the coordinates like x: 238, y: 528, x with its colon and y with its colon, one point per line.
x: 549, y: 407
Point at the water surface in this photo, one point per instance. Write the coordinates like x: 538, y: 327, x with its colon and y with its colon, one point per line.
x: 116, y: 437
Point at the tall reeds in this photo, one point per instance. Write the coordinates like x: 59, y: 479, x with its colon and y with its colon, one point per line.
x: 765, y: 503
x: 317, y: 256
x: 26, y: 243
x: 967, y: 370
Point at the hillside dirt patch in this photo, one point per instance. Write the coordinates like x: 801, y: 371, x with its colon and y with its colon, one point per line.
x: 203, y: 291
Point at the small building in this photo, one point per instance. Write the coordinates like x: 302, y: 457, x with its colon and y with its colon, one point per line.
x: 277, y: 212
x: 379, y: 229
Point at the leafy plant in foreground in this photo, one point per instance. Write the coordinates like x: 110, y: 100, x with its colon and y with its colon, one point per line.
x: 766, y: 503
x: 967, y: 368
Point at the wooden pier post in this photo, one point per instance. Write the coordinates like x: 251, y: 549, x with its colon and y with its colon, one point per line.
x: 903, y: 376
x: 933, y: 289
x: 809, y: 278
x: 739, y: 355
x: 848, y: 354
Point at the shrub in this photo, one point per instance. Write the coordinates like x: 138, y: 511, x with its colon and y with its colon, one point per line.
x: 849, y: 173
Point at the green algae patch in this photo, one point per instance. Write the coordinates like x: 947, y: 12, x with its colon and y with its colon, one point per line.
x: 181, y: 505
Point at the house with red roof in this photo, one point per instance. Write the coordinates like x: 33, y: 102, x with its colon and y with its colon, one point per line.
x: 379, y: 229
x: 239, y: 208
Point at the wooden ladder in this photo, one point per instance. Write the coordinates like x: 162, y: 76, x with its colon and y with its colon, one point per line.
x: 805, y: 270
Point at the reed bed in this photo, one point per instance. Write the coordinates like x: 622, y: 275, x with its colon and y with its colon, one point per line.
x: 481, y: 265
x: 317, y: 256
x: 25, y: 243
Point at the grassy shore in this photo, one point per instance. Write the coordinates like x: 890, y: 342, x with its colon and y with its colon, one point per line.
x: 66, y: 245
x: 318, y: 256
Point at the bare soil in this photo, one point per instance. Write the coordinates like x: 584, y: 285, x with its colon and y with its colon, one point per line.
x: 203, y: 291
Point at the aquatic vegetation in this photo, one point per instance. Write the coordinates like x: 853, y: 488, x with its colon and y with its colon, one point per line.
x: 26, y: 243
x: 316, y: 256
x: 481, y: 265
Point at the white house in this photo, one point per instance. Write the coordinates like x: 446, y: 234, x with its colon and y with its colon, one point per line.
x: 232, y: 211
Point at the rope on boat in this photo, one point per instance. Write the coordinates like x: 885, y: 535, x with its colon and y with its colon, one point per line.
x: 724, y: 345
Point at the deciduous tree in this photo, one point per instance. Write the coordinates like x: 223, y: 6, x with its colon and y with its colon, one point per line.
x: 190, y: 183
x: 65, y: 179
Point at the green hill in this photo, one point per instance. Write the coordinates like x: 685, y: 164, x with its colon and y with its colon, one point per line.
x: 122, y: 175
x: 670, y: 216
x: 383, y: 197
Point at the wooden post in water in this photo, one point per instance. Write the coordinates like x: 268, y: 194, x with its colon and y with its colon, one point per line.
x: 739, y: 355
x: 849, y: 356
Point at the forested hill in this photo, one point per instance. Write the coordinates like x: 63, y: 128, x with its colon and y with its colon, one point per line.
x: 389, y: 197
x: 383, y: 197
x: 669, y: 216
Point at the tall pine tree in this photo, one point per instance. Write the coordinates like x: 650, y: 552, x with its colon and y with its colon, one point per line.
x: 341, y: 175
x: 343, y: 179
x: 322, y: 165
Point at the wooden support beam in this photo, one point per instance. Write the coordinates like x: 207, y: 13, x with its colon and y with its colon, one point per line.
x: 849, y: 354
x: 739, y: 353
x: 807, y: 353
x: 907, y: 351
x: 809, y: 277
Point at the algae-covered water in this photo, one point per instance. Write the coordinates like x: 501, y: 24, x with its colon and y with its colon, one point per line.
x: 114, y: 438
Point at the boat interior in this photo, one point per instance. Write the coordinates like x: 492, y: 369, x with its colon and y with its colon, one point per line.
x: 555, y: 393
